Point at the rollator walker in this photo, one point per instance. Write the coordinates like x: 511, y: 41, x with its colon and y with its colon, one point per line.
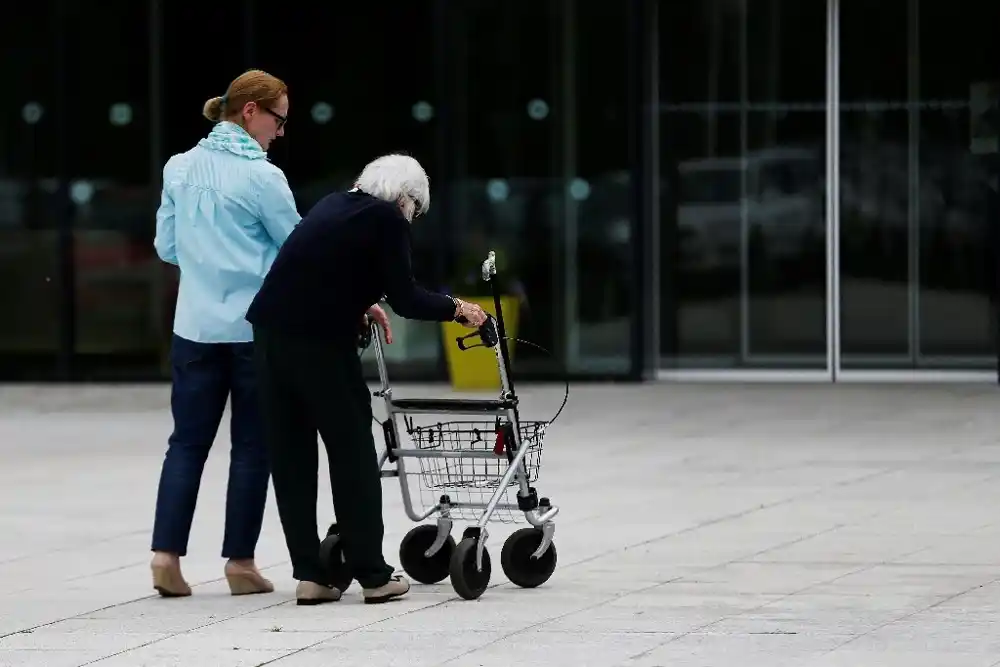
x: 478, y: 470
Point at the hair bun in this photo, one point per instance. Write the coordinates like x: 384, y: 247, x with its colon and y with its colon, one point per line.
x: 213, y: 109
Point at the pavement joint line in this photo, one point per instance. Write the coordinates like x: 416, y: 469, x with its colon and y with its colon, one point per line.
x: 910, y: 614
x: 36, y: 554
x: 683, y: 531
x: 857, y: 521
x: 643, y: 589
x: 361, y: 627
x: 443, y: 602
x: 83, y: 576
x: 862, y: 568
x: 780, y: 598
x: 177, y: 634
x: 125, y: 603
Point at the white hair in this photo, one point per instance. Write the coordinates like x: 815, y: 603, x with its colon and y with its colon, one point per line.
x: 397, y: 178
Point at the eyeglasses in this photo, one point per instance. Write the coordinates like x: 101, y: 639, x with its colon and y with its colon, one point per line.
x: 281, y: 119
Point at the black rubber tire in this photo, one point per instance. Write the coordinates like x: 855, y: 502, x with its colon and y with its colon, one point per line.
x: 468, y: 582
x: 519, y: 566
x: 331, y: 556
x: 425, y: 570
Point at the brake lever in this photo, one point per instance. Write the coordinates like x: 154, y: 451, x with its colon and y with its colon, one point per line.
x: 461, y: 342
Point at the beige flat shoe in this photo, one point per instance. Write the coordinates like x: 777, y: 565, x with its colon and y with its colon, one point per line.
x: 397, y: 587
x: 246, y: 581
x: 311, y: 593
x: 168, y: 580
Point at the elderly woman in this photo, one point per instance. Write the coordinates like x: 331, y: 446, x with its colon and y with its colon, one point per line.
x: 224, y: 212
x: 350, y: 250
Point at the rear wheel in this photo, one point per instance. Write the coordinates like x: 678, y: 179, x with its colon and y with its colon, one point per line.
x: 331, y: 556
x: 426, y: 570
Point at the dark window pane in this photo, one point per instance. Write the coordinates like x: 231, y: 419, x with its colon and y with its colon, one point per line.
x: 371, y: 89
x: 507, y: 190
x: 742, y: 126
x: 599, y: 213
x: 918, y: 252
x: 120, y: 319
x: 958, y: 126
x: 874, y: 190
x: 29, y: 248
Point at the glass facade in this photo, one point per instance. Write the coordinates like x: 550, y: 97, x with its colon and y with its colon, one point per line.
x: 702, y: 186
x: 742, y: 124
x: 827, y: 186
x: 917, y: 172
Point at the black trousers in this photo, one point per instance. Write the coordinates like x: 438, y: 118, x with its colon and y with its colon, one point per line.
x: 306, y: 386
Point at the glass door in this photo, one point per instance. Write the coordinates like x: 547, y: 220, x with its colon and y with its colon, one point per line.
x: 121, y: 320
x: 33, y: 248
x: 919, y: 83
x: 956, y: 132
x: 743, y: 180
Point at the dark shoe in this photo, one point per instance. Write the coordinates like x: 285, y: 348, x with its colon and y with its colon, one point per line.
x: 311, y: 593
x: 397, y: 587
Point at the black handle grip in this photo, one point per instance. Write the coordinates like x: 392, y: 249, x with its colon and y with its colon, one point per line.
x: 487, y: 334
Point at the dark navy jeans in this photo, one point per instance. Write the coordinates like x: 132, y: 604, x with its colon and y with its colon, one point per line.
x: 205, y: 375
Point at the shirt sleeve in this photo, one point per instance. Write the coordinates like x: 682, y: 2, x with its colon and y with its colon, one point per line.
x: 407, y: 298
x: 165, y: 241
x: 276, y: 205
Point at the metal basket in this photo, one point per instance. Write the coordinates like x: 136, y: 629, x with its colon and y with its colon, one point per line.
x: 488, y: 449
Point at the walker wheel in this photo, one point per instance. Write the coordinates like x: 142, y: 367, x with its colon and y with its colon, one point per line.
x: 331, y: 556
x: 421, y: 568
x: 467, y: 581
x: 517, y: 563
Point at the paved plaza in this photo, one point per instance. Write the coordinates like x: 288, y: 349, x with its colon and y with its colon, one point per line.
x: 701, y: 526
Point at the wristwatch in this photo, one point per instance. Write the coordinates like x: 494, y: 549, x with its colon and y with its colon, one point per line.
x: 458, y: 307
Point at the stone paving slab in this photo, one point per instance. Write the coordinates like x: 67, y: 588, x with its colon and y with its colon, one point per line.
x: 701, y: 525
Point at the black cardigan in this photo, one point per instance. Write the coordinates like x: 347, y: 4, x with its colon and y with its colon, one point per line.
x: 348, y: 252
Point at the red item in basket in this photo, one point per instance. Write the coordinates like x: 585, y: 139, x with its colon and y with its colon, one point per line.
x: 499, y: 447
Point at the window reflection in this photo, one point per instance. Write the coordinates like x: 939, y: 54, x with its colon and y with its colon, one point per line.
x: 30, y: 267
x: 524, y: 135
x: 119, y: 324
x: 350, y: 106
x: 918, y: 252
x: 742, y: 163
x: 506, y: 162
x: 602, y: 293
x: 543, y: 154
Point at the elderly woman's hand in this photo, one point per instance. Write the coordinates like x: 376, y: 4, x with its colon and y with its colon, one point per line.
x: 470, y: 315
x: 382, y: 318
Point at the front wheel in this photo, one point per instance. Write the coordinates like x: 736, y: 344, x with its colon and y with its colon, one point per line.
x: 517, y: 563
x: 467, y: 581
